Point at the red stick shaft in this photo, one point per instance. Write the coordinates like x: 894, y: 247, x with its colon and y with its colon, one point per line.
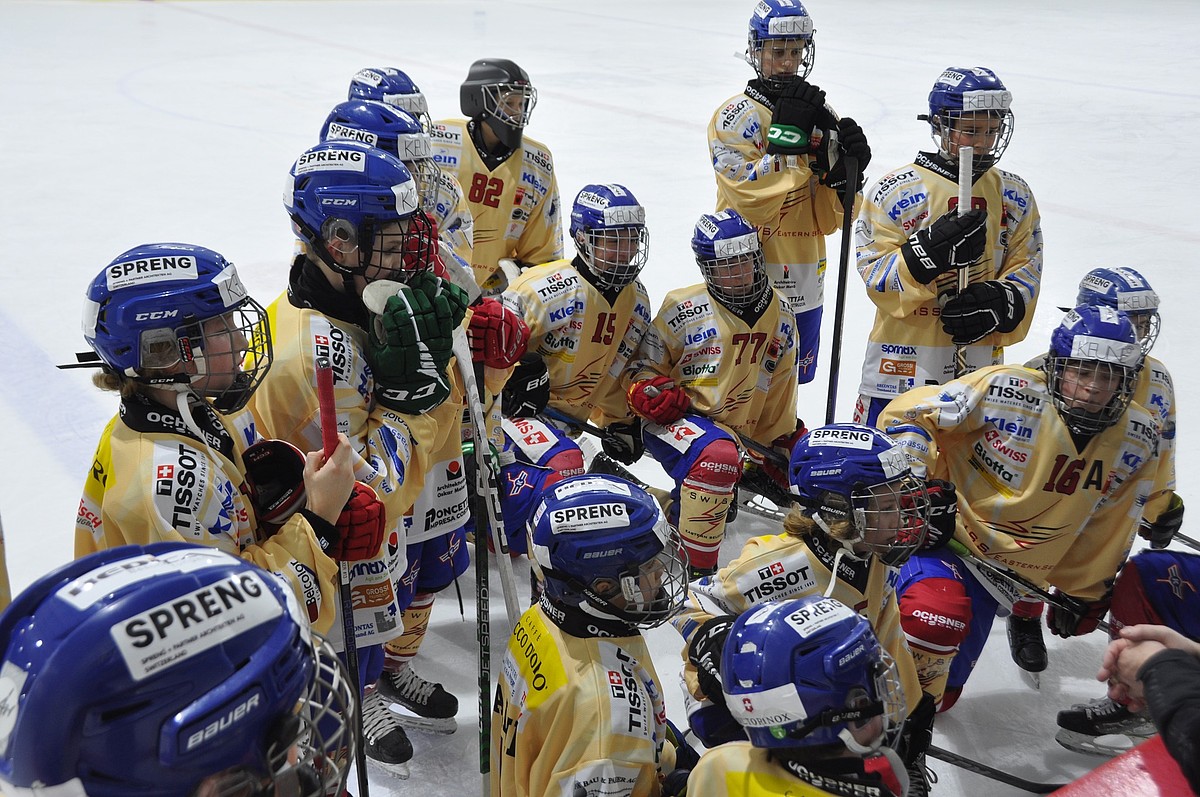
x: 329, y: 433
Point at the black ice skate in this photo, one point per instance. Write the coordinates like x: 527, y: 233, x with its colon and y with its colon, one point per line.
x: 920, y: 778
x: 1026, y: 644
x: 1102, y: 727
x: 419, y: 704
x: 387, y: 745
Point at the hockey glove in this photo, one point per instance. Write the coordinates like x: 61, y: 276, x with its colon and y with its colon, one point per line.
x: 784, y: 444
x: 527, y: 391
x: 943, y: 513
x: 360, y: 527
x: 659, y: 400
x: 623, y: 441
x: 498, y: 335
x: 951, y: 242
x: 1160, y: 532
x: 916, y: 734
x: 980, y: 310
x: 1081, y: 618
x: 851, y: 141
x: 704, y: 652
x: 799, y: 109
x: 275, y: 479
x: 674, y: 783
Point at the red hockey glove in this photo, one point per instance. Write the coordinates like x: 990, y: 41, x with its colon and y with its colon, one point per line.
x: 360, y: 527
x: 784, y: 444
x: 1081, y: 618
x: 274, y: 479
x: 498, y: 335
x: 659, y: 400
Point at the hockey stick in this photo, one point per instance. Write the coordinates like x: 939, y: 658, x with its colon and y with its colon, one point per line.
x: 964, y: 274
x: 329, y: 442
x: 1020, y: 582
x: 979, y: 768
x: 1188, y: 541
x: 839, y: 311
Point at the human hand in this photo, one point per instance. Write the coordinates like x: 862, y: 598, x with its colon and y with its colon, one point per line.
x: 328, y: 482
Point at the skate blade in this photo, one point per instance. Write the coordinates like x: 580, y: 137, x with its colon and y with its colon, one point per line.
x: 1034, y: 679
x: 442, y: 726
x: 397, y: 771
x: 1106, y: 745
x: 761, y: 507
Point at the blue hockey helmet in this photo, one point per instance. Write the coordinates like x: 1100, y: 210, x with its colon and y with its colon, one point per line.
x: 809, y: 672
x: 1092, y: 367
x: 392, y: 86
x: 730, y: 257
x: 1124, y: 288
x: 969, y: 106
x: 391, y: 129
x: 608, y: 226
x: 177, y: 316
x: 165, y: 670
x: 603, y: 545
x: 344, y: 195
x: 858, y: 486
x: 498, y: 93
x: 783, y: 31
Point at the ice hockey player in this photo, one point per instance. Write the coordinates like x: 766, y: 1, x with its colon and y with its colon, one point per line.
x: 509, y: 178
x: 718, y: 361
x: 579, y: 708
x: 860, y: 512
x: 912, y: 244
x: 181, y: 341
x: 820, y: 699
x: 1050, y: 467
x: 357, y: 211
x: 399, y: 133
x: 169, y: 669
x: 392, y: 86
x: 775, y: 148
x: 1122, y: 288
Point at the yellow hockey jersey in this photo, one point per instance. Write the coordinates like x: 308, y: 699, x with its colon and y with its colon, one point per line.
x: 907, y: 347
x: 738, y: 769
x: 779, y: 195
x: 1027, y: 498
x: 515, y: 207
x: 456, y: 225
x: 575, y: 715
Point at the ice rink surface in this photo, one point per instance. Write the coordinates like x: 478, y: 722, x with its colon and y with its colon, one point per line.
x: 130, y: 122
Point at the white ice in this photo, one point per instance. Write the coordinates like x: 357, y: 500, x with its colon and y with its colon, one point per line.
x: 131, y: 122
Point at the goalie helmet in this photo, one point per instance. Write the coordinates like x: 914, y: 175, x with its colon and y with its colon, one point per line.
x: 164, y: 670
x: 969, y: 106
x: 858, y: 486
x: 391, y: 86
x: 782, y: 31
x: 608, y: 226
x: 498, y: 93
x: 393, y: 130
x: 1124, y: 288
x: 344, y: 195
x: 1092, y: 367
x: 176, y: 316
x: 809, y: 672
x: 603, y: 545
x: 730, y: 257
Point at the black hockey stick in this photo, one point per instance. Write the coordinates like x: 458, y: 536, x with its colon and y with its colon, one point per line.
x: 839, y: 311
x: 1188, y: 541
x: 980, y: 768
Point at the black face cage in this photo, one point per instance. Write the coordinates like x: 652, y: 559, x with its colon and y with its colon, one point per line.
x: 651, y: 593
x: 981, y: 159
x: 633, y: 253
x: 718, y: 273
x: 1146, y: 324
x: 1082, y: 420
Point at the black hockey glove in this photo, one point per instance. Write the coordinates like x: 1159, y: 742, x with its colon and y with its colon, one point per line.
x: 799, y: 109
x: 943, y: 513
x: 675, y: 783
x: 980, y: 310
x: 527, y: 391
x: 951, y: 242
x: 916, y: 734
x: 1160, y: 532
x: 1075, y: 616
x: 704, y: 651
x: 623, y: 441
x: 851, y: 141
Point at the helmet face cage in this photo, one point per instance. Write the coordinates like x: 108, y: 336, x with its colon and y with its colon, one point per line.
x: 510, y: 103
x: 781, y: 30
x: 1092, y: 368
x: 971, y: 107
x: 1124, y: 288
x: 609, y: 229
x: 730, y: 257
x: 891, y: 519
x: 231, y: 352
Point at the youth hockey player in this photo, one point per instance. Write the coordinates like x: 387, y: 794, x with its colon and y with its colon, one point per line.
x: 357, y: 210
x: 394, y: 87
x: 182, y: 343
x: 860, y: 513
x: 1050, y: 467
x: 820, y: 699
x: 718, y: 361
x: 1125, y: 289
x: 509, y: 178
x: 912, y: 244
x: 123, y: 665
x: 775, y: 151
x: 579, y: 708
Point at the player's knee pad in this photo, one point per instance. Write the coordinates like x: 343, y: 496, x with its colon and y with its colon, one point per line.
x: 1131, y: 605
x: 717, y: 468
x: 935, y: 614
x: 567, y: 463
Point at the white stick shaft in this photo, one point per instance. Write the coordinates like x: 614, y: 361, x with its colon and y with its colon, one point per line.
x: 965, y: 155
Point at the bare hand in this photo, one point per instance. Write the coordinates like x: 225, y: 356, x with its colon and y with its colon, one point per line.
x: 328, y: 482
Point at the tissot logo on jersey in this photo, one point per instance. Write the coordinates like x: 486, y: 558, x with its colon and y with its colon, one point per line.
x: 181, y: 483
x: 333, y: 347
x: 776, y: 582
x: 688, y: 310
x: 555, y: 283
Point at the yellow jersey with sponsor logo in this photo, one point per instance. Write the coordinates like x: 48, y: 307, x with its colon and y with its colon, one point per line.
x: 1027, y: 497
x: 575, y: 715
x: 907, y: 347
x: 738, y: 769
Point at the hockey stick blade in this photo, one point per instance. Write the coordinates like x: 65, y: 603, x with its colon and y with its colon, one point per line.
x: 980, y: 768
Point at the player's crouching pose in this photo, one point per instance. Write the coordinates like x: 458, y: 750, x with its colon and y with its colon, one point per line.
x: 183, y: 344
x: 357, y: 212
x: 579, y: 709
x: 1051, y: 468
x: 122, y: 665
x: 819, y: 698
x: 719, y: 359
